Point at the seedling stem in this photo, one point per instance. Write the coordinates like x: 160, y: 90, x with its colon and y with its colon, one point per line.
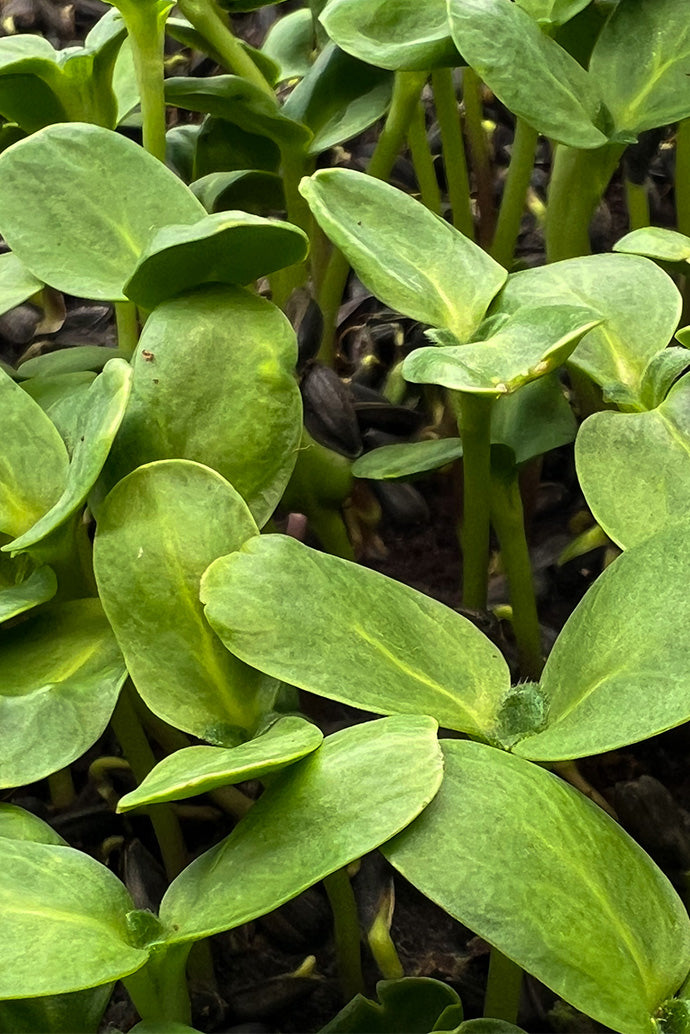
x: 454, y: 159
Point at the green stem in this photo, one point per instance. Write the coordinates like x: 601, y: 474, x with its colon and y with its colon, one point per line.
x: 381, y: 943
x: 347, y: 933
x: 474, y: 424
x: 637, y: 201
x: 578, y: 181
x: 502, y: 998
x: 127, y: 327
x: 479, y: 150
x: 514, y: 193
x: 508, y: 522
x: 284, y: 281
x: 159, y: 989
x: 210, y: 20
x: 137, y: 750
x: 454, y: 159
x: 406, y: 90
x: 423, y: 161
x: 330, y: 529
x: 682, y: 178
x: 61, y: 788
x: 146, y: 31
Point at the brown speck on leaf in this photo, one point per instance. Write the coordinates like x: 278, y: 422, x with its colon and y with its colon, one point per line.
x: 155, y: 380
x: 148, y: 356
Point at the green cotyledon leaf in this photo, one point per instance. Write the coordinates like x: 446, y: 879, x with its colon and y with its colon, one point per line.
x: 412, y: 260
x: 158, y: 530
x: 543, y: 874
x: 359, y: 788
x: 53, y: 896
x: 618, y: 672
x: 348, y: 633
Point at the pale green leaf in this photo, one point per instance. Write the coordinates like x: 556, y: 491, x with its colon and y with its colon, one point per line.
x: 348, y: 633
x: 361, y: 786
x: 531, y: 866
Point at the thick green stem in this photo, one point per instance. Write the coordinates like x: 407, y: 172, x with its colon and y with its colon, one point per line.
x: 127, y: 327
x: 502, y: 998
x: 159, y: 990
x: 479, y: 150
x: 347, y: 933
x: 211, y: 21
x: 474, y: 424
x: 423, y: 161
x: 146, y: 30
x: 508, y: 521
x: 514, y: 193
x: 135, y: 746
x: 61, y: 788
x: 682, y: 179
x: 637, y: 201
x: 406, y: 90
x: 454, y: 159
x: 578, y: 181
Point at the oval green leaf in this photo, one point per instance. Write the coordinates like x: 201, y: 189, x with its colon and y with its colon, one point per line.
x: 552, y: 92
x: 552, y: 12
x: 393, y: 462
x: 158, y: 530
x: 394, y: 34
x: 618, y: 672
x: 640, y: 64
x: 61, y: 398
x: 81, y: 359
x: 656, y: 243
x: 532, y: 342
x: 101, y: 416
x: 54, y: 896
x: 530, y: 865
x: 409, y: 258
x: 361, y: 786
x: 384, y: 647
x: 19, y: 824
x: 33, y: 460
x: 107, y: 197
x: 39, y: 587
x: 290, y: 44
x: 634, y: 468
x: 16, y: 282
x: 251, y: 190
x: 214, y: 382
x: 227, y: 248
x: 639, y: 303
x: 240, y: 102
x: 59, y: 671
x: 195, y: 770
x: 339, y: 98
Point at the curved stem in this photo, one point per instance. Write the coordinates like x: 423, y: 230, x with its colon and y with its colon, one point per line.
x: 211, y: 21
x: 454, y: 159
x: 406, y: 90
x: 474, y: 424
x: 514, y: 193
x: 479, y: 150
x: 347, y: 933
x: 423, y: 161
